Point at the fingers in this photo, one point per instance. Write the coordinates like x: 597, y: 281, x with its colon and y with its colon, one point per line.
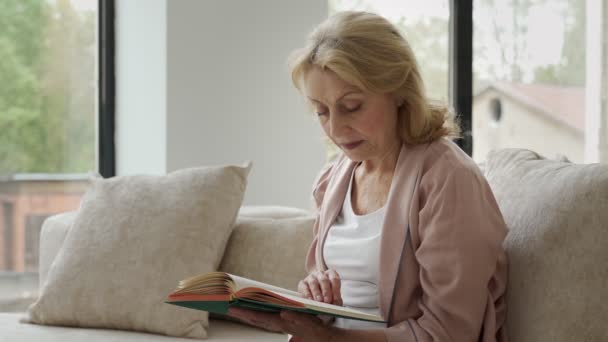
x: 325, y: 288
x: 314, y: 286
x: 326, y: 319
x: 334, y: 280
x: 322, y: 286
x: 304, y: 290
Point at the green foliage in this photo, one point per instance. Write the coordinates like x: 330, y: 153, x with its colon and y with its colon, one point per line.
x: 571, y: 69
x: 47, y: 98
x: 547, y: 74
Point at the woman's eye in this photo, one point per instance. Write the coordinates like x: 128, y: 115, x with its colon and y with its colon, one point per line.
x: 321, y: 113
x: 353, y: 109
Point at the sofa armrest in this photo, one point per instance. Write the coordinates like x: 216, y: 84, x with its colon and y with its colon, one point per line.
x: 53, y: 232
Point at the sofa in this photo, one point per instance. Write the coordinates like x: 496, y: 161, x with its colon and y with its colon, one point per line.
x: 254, y: 223
x: 556, y: 211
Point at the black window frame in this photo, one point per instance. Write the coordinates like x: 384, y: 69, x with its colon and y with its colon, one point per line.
x: 461, y: 68
x: 107, y: 89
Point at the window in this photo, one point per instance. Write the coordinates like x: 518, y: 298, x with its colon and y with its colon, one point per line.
x: 495, y: 110
x: 48, y: 126
x: 7, y: 235
x: 529, y: 77
x: 33, y: 223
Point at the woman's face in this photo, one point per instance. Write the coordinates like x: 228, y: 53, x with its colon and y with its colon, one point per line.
x: 362, y: 124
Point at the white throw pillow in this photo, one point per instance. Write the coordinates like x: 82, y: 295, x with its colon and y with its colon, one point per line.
x: 133, y: 240
x: 557, y: 214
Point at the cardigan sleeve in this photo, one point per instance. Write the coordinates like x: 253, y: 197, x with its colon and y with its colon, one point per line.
x: 460, y: 232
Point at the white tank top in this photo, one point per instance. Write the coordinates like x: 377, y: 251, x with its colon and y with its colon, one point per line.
x: 352, y: 248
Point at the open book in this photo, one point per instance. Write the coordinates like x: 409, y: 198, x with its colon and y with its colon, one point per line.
x: 217, y: 291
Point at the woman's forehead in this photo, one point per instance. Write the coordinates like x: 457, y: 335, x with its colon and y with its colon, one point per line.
x: 326, y: 87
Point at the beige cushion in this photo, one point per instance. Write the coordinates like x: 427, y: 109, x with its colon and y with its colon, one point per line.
x: 269, y: 250
x: 133, y: 239
x: 557, y: 213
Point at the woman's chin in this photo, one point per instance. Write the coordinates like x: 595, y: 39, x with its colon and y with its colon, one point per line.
x: 353, y: 155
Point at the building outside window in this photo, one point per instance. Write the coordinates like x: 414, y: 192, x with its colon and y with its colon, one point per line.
x: 529, y: 56
x: 48, y: 115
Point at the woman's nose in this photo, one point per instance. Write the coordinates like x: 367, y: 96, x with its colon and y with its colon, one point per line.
x: 336, y: 124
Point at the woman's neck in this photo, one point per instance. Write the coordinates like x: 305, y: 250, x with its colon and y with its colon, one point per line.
x: 384, y: 163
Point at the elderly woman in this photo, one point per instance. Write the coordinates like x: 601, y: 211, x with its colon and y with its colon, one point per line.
x: 407, y: 226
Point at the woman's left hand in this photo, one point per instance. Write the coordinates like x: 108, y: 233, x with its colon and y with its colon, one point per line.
x: 303, y: 327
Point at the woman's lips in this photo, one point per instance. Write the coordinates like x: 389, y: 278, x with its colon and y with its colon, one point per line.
x: 352, y: 145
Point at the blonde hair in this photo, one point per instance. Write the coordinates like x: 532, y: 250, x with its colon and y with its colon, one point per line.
x: 367, y: 51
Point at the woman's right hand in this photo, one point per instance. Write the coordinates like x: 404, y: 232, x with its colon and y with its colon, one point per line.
x: 322, y: 286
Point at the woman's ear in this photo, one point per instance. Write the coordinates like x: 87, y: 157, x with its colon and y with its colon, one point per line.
x: 399, y: 101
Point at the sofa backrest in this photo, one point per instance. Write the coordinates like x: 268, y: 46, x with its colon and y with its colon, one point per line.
x: 557, y: 214
x: 269, y: 244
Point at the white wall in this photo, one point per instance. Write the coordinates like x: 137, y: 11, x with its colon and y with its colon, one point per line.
x: 141, y: 69
x: 226, y: 95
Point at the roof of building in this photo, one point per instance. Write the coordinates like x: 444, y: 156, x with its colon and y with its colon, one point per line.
x: 561, y: 103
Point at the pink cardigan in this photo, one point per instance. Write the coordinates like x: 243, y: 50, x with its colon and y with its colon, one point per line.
x: 443, y: 269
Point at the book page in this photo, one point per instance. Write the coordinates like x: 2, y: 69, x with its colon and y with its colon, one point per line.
x: 335, y: 309
x: 309, y: 303
x: 212, y: 282
x: 242, y: 283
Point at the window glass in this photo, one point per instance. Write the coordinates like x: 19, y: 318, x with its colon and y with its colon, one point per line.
x: 529, y: 77
x: 48, y: 51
